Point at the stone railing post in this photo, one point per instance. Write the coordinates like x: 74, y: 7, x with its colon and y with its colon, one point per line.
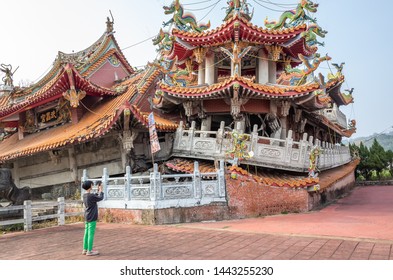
x: 191, y: 135
x: 220, y: 137
x: 307, y: 155
x: 197, y: 181
x: 303, y: 150
x: 105, y: 178
x: 254, y: 139
x: 27, y: 215
x: 288, y: 147
x: 127, y: 185
x: 61, y: 211
x: 83, y: 179
x: 178, y: 135
x: 221, y: 180
x: 155, y: 184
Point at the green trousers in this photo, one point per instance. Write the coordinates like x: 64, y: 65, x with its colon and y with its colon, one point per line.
x: 88, y: 239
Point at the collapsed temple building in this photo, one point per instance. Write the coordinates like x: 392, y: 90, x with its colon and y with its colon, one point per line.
x: 244, y: 123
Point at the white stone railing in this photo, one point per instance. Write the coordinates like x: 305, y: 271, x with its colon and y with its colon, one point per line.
x: 335, y: 115
x: 30, y: 216
x: 157, y: 191
x: 285, y: 154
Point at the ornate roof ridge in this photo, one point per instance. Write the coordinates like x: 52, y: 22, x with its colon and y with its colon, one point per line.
x: 162, y: 124
x: 268, y: 89
x: 247, y: 23
x: 97, y: 48
x: 49, y: 90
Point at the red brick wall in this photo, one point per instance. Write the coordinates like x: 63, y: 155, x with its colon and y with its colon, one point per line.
x: 249, y: 199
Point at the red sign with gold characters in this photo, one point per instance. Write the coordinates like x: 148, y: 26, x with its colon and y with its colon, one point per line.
x: 47, y: 116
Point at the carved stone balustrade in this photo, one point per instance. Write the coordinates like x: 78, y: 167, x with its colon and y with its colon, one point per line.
x: 158, y: 191
x: 284, y: 154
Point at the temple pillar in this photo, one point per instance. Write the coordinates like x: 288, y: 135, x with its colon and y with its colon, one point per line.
x: 233, y: 68
x: 75, y: 115
x: 15, y: 173
x: 209, y: 68
x: 273, y: 107
x: 272, y: 71
x: 206, y: 123
x: 283, y: 121
x: 73, y: 164
x: 263, y: 67
x: 201, y: 74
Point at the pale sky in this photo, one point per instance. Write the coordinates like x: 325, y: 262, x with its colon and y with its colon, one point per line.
x: 359, y: 34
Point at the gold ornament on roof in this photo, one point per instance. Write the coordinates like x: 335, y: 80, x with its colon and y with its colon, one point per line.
x: 200, y: 54
x: 274, y: 51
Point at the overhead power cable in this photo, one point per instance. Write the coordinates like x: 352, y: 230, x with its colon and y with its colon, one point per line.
x: 196, y: 3
x: 139, y: 43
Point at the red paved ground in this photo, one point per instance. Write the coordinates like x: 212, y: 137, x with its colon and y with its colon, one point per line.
x: 366, y: 213
x: 357, y: 227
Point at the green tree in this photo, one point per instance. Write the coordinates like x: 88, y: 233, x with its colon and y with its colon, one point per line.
x: 378, y: 158
x: 363, y: 168
x: 389, y: 156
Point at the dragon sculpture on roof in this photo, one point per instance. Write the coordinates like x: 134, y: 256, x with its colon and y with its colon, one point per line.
x: 183, y: 21
x: 294, y: 17
x: 295, y: 77
x: 238, y: 7
x: 164, y: 41
x: 311, y: 34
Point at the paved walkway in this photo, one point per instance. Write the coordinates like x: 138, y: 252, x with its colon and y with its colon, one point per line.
x: 359, y: 226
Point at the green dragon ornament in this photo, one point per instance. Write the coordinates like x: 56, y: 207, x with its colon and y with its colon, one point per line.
x: 311, y: 34
x: 163, y: 40
x: 295, y: 77
x: 183, y: 21
x: 294, y: 17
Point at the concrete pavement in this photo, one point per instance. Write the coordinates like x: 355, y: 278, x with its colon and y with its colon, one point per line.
x: 357, y: 227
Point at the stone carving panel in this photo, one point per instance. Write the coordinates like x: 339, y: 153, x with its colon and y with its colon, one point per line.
x: 203, y: 145
x: 295, y: 155
x: 209, y: 189
x: 273, y: 153
x: 178, y: 192
x: 115, y: 193
x: 183, y: 144
x: 140, y: 193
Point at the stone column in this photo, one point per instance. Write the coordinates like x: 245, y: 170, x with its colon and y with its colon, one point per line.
x: 272, y: 71
x: 15, y: 173
x: 201, y: 74
x: 263, y: 67
x: 209, y: 68
x: 73, y: 164
x: 283, y: 121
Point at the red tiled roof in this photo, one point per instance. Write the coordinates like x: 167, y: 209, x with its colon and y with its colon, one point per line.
x: 94, y: 123
x: 53, y: 89
x: 219, y: 89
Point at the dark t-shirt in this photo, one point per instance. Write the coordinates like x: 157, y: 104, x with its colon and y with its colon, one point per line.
x: 91, y: 208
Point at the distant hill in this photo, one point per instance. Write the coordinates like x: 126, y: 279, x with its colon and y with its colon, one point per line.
x: 385, y: 139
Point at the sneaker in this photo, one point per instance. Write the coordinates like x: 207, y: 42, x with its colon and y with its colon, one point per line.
x: 92, y: 253
x: 84, y: 252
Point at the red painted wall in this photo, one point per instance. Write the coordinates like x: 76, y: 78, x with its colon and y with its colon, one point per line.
x: 105, y: 75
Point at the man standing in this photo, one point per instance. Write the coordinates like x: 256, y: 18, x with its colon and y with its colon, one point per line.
x: 91, y: 215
